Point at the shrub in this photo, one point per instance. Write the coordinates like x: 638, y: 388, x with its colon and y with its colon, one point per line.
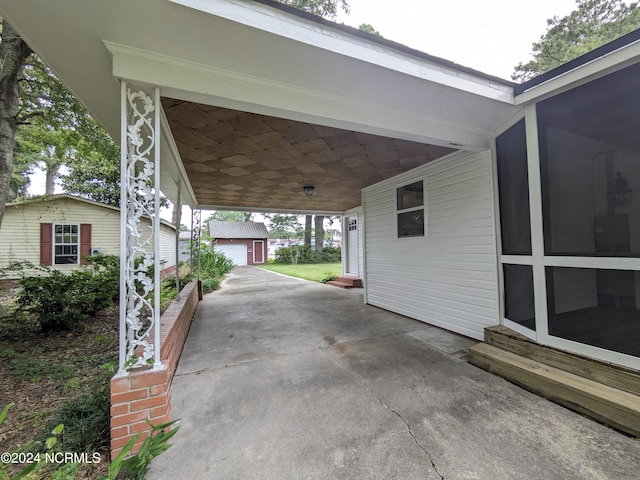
x: 210, y: 284
x: 214, y: 264
x: 304, y: 254
x: 63, y: 302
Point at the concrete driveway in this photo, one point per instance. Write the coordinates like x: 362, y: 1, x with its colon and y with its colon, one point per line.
x: 284, y: 379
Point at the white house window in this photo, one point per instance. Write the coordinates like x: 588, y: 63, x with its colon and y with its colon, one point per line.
x: 410, y: 210
x: 66, y: 244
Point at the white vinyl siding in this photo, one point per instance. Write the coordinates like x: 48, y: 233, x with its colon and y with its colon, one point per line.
x: 20, y: 231
x: 449, y: 278
x: 167, y: 246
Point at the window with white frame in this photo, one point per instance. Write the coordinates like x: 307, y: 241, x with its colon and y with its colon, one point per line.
x: 66, y: 244
x: 410, y: 210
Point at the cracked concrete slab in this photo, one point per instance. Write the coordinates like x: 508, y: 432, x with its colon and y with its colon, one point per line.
x: 286, y: 379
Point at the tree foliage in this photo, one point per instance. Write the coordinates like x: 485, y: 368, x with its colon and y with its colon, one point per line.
x: 286, y: 227
x: 367, y: 27
x: 63, y: 134
x: 592, y: 24
x: 229, y: 216
x: 325, y: 8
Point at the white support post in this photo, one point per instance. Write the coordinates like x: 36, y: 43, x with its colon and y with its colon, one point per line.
x: 178, y: 217
x: 139, y: 242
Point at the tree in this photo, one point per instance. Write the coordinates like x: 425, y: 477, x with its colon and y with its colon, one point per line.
x: 324, y: 8
x: 285, y: 226
x: 13, y: 55
x: 42, y: 124
x: 367, y: 27
x: 592, y: 24
x: 307, y: 229
x: 319, y: 233
x: 229, y: 216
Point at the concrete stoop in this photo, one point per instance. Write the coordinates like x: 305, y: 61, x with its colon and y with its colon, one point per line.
x: 600, y: 390
x: 346, y: 282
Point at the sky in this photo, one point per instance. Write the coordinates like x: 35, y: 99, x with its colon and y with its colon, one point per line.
x: 491, y: 36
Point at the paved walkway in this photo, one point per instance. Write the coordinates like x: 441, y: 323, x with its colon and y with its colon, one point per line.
x: 287, y: 379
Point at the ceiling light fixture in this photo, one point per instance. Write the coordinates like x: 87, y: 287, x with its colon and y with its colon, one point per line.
x: 308, y: 190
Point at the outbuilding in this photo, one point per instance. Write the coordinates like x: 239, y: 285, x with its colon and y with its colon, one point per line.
x: 243, y: 242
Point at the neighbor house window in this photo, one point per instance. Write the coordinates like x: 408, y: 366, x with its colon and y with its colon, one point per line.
x: 410, y: 210
x: 66, y: 244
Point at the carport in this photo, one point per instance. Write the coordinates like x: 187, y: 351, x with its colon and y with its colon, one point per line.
x: 239, y: 105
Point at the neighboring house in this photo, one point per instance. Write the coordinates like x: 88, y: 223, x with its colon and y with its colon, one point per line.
x: 59, y: 231
x: 184, y: 250
x: 243, y: 242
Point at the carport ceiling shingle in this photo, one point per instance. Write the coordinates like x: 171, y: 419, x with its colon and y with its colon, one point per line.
x: 244, y: 160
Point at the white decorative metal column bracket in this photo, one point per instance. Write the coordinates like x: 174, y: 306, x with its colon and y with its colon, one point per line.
x: 139, y: 267
x: 196, y: 231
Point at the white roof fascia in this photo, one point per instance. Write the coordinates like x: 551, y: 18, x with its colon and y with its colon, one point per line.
x: 195, y: 82
x: 608, y: 63
x: 306, y: 31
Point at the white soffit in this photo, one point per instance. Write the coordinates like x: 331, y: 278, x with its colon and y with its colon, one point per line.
x: 318, y: 35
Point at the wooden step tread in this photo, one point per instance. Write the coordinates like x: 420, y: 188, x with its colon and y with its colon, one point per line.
x: 609, y: 405
x: 617, y: 376
x: 336, y: 283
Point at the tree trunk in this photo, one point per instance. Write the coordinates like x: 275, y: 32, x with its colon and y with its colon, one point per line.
x: 319, y: 232
x: 13, y: 55
x: 50, y: 181
x: 307, y: 229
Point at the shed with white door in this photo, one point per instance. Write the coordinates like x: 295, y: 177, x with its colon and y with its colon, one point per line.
x: 243, y: 242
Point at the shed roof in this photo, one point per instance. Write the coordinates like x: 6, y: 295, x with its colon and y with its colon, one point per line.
x: 219, y: 229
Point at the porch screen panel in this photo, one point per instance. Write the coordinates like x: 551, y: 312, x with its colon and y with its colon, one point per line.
x: 595, y: 307
x: 513, y: 191
x: 589, y: 140
x: 518, y: 293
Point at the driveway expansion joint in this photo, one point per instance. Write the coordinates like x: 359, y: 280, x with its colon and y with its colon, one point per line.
x: 377, y: 397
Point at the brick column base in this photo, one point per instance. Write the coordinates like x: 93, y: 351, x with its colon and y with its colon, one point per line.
x: 135, y: 398
x: 145, y: 393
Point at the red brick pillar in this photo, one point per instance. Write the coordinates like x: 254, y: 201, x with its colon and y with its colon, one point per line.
x: 138, y: 396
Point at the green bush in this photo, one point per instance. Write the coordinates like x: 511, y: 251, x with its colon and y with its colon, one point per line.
x: 304, y: 254
x: 63, y: 302
x: 214, y: 264
x: 210, y: 284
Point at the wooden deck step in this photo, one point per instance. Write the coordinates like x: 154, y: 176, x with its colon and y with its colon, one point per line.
x: 346, y: 282
x: 614, y: 407
x: 336, y: 283
x: 616, y: 376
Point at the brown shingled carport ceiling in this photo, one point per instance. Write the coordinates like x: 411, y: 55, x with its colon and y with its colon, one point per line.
x: 244, y: 160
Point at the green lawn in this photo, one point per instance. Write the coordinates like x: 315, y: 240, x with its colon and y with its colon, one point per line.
x: 315, y: 272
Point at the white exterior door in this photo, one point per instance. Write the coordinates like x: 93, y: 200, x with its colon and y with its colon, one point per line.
x: 237, y: 253
x: 352, y: 246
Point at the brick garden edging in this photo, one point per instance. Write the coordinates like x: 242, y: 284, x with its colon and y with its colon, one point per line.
x: 145, y: 394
